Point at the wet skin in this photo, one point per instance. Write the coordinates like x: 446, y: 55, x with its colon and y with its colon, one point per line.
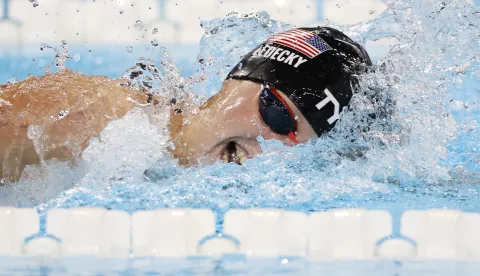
x: 199, y: 135
x: 231, y: 115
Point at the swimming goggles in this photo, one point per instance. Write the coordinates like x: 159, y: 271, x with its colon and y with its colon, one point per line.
x: 276, y: 113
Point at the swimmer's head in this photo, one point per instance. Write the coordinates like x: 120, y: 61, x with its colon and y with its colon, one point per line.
x: 315, y: 67
x: 291, y: 88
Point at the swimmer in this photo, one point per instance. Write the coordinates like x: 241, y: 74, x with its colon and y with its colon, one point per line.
x: 292, y: 88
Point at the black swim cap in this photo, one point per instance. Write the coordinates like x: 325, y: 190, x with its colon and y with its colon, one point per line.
x: 315, y: 67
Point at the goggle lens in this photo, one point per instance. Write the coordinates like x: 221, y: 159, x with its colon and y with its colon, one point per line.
x: 276, y: 114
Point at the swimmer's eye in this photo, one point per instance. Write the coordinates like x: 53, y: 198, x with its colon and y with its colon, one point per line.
x: 276, y: 114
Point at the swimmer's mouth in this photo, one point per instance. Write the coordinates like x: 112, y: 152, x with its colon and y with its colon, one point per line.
x: 234, y: 153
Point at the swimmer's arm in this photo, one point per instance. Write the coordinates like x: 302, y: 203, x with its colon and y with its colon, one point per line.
x: 63, y: 112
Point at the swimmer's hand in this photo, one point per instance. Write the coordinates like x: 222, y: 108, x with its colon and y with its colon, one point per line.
x: 61, y: 112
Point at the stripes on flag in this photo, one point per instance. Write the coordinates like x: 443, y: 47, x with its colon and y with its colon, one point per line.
x: 302, y: 41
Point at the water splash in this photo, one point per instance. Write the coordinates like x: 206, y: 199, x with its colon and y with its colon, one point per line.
x: 221, y: 45
x: 139, y: 25
x: 61, y: 56
x: 165, y: 79
x: 408, y: 156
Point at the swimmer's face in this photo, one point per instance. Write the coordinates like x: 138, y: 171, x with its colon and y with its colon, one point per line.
x: 227, y: 126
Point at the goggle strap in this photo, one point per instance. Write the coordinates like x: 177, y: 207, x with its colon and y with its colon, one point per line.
x: 292, y: 137
x: 275, y: 92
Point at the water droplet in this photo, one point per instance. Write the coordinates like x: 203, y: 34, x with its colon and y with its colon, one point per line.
x: 154, y: 43
x: 62, y: 114
x: 154, y: 31
x: 371, y: 11
x: 3, y: 181
x: 139, y: 25
x: 98, y: 60
x: 121, y: 11
x: 78, y: 10
x: 12, y: 80
x: 458, y: 82
x: 76, y: 57
x: 129, y: 49
x: 34, y: 2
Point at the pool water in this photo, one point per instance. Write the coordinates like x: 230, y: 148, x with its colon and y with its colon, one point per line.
x: 425, y: 155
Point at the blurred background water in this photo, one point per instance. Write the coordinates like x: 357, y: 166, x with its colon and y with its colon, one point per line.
x: 105, y: 36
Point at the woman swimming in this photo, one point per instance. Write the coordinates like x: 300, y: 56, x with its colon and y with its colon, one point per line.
x: 292, y: 88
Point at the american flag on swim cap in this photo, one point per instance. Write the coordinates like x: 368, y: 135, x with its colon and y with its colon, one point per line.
x: 302, y: 41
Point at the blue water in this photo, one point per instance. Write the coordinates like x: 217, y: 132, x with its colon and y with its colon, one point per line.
x: 435, y: 165
x: 426, y: 156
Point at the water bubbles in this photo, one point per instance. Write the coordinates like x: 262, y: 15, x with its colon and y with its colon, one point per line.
x: 78, y: 10
x: 3, y: 181
x: 139, y: 25
x: 98, y: 60
x: 154, y: 43
x: 76, y: 57
x: 371, y: 11
x: 129, y: 49
x: 121, y: 11
x: 458, y: 82
x: 155, y: 31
